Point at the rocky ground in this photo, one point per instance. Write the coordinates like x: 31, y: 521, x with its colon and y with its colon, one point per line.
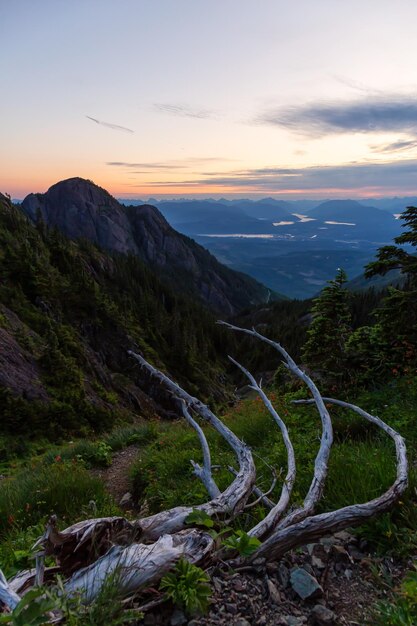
x: 333, y: 582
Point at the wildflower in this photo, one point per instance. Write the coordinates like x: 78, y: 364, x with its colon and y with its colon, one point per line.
x: 58, y: 458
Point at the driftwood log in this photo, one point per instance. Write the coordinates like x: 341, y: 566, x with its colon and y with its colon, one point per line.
x: 143, y: 550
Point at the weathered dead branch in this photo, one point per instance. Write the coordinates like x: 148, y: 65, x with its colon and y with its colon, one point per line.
x: 139, y: 553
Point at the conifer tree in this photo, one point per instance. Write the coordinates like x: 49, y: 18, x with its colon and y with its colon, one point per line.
x: 325, y: 349
x: 397, y: 318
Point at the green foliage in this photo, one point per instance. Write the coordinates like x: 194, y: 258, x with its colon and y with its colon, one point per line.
x: 90, y: 453
x: 188, y: 587
x: 63, y: 488
x: 397, y: 317
x: 242, y: 542
x: 16, y: 552
x: 76, y: 310
x: 199, y: 518
x: 107, y: 608
x: 32, y: 610
x: 402, y: 611
x: 137, y: 434
x: 325, y: 349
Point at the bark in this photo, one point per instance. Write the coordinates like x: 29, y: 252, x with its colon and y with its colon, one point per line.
x: 140, y: 552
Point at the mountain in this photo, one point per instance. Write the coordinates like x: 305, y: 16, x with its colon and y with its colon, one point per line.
x: 187, y: 211
x: 267, y: 208
x: 353, y: 211
x: 204, y: 216
x: 393, y: 205
x: 82, y: 210
x: 69, y: 312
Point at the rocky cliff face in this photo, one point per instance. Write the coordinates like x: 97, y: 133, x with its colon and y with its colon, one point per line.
x: 81, y: 209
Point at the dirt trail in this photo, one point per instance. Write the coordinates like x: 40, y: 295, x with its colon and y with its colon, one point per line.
x: 116, y: 477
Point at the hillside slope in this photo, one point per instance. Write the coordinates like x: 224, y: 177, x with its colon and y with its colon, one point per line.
x: 68, y: 314
x: 81, y: 209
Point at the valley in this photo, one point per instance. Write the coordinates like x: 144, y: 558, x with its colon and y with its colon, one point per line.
x: 292, y: 253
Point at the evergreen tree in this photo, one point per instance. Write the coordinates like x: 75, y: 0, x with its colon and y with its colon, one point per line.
x: 397, y: 318
x: 325, y: 349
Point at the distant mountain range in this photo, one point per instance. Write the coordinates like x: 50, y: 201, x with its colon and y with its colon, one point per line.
x: 81, y: 209
x: 292, y: 247
x: 292, y: 252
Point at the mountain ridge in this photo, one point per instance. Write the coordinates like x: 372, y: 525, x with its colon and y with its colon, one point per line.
x: 81, y: 209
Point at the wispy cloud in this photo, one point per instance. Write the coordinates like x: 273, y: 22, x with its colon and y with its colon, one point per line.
x: 122, y: 129
x: 371, y: 114
x: 174, y: 164
x: 146, y: 166
x: 184, y: 110
x: 396, y: 146
x: 350, y: 176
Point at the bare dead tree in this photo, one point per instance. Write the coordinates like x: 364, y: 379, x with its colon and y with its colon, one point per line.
x: 143, y: 550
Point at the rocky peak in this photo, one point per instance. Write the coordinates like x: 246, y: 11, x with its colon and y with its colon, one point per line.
x: 81, y: 209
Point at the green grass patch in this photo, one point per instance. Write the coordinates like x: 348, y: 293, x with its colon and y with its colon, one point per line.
x: 64, y: 488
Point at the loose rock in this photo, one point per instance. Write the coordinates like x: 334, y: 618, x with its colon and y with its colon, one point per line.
x: 322, y: 615
x: 304, y: 584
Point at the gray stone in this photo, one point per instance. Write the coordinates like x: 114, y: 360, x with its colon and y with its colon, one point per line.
x: 322, y: 615
x: 126, y: 501
x: 304, y: 584
x: 274, y: 594
x: 345, y: 536
x: 291, y: 620
x: 316, y: 562
x: 340, y: 555
x: 240, y: 622
x: 283, y: 575
x: 348, y: 574
x: 356, y: 554
x: 178, y: 618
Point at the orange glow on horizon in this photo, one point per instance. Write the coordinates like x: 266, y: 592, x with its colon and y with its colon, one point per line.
x: 35, y: 184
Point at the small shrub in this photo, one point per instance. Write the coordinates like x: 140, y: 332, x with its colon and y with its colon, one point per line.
x: 107, y: 608
x: 242, y: 543
x: 188, y: 587
x: 63, y: 488
x: 403, y: 610
x: 32, y: 610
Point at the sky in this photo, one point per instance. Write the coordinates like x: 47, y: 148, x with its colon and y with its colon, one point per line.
x: 210, y: 97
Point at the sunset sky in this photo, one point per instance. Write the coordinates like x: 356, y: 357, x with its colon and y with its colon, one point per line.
x: 212, y: 97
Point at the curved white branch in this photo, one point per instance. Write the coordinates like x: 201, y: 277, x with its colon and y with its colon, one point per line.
x: 322, y: 459
x: 262, y: 497
x: 204, y: 473
x: 9, y: 597
x: 232, y: 500
x: 275, y: 514
x: 310, y: 529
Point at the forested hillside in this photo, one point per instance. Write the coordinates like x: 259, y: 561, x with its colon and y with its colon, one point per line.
x: 69, y: 313
x: 82, y: 210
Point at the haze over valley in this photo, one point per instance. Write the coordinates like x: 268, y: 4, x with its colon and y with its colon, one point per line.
x: 291, y: 247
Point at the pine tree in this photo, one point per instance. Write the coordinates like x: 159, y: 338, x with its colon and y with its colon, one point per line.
x: 397, y: 318
x: 325, y: 349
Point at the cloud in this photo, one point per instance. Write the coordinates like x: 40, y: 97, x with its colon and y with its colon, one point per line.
x: 146, y: 166
x: 183, y: 110
x: 401, y: 175
x: 174, y: 164
x: 122, y: 129
x: 396, y: 146
x: 367, y: 115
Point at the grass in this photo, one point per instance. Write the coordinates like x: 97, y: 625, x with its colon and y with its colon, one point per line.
x: 64, y: 488
x: 362, y: 462
x: 362, y: 466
